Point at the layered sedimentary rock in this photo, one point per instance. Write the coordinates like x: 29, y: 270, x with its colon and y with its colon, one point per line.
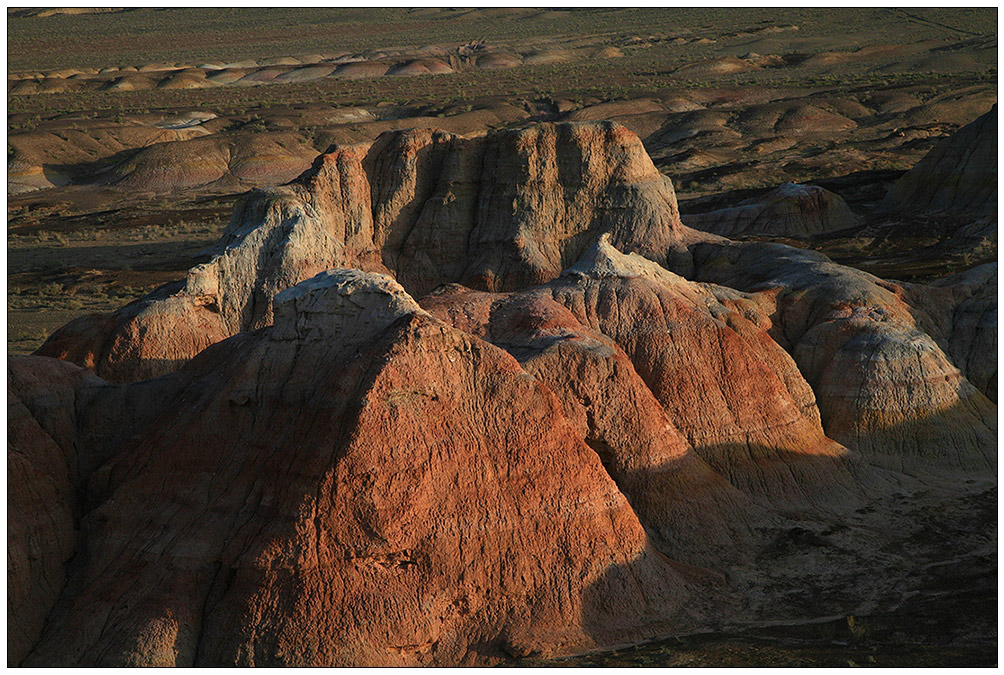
x: 884, y: 385
x: 498, y: 212
x: 792, y: 210
x: 314, y: 478
x: 731, y: 390
x: 962, y: 310
x: 196, y: 162
x: 698, y: 415
x: 338, y: 541
x: 575, y: 446
x: 958, y: 176
x: 614, y: 411
x: 41, y: 495
x: 24, y: 175
x: 510, y: 211
x: 960, y: 313
x: 148, y: 337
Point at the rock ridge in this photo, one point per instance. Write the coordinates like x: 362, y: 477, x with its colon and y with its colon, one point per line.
x: 346, y: 306
x: 497, y: 212
x: 959, y: 175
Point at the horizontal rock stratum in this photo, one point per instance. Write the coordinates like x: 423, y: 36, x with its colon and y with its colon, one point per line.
x: 497, y: 212
x: 448, y: 401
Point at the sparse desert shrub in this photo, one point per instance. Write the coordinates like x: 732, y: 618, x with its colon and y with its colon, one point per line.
x: 52, y: 238
x: 255, y: 124
x: 984, y: 251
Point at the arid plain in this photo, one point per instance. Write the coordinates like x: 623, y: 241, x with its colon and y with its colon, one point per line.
x: 441, y: 337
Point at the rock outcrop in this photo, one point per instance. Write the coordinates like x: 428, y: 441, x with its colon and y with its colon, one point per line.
x: 698, y: 415
x: 425, y: 502
x: 599, y: 458
x: 498, y: 213
x: 959, y: 176
x: 792, y: 210
x: 731, y: 390
x: 48, y: 463
x: 510, y: 210
x: 960, y: 312
x: 41, y: 505
x: 884, y: 386
x: 595, y: 424
x: 151, y: 336
x: 617, y: 415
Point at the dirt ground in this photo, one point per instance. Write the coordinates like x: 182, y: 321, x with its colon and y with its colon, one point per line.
x: 945, y: 616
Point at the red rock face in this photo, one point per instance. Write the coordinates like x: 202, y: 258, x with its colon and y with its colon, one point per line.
x: 735, y: 395
x: 426, y: 503
x: 499, y: 212
x: 572, y: 183
x: 884, y: 385
x: 615, y: 412
x: 147, y: 338
x: 578, y: 448
x: 444, y: 491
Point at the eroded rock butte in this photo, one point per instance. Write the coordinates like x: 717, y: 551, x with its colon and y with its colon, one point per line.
x: 448, y: 400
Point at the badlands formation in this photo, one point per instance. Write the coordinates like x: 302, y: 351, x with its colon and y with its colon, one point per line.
x: 450, y: 400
